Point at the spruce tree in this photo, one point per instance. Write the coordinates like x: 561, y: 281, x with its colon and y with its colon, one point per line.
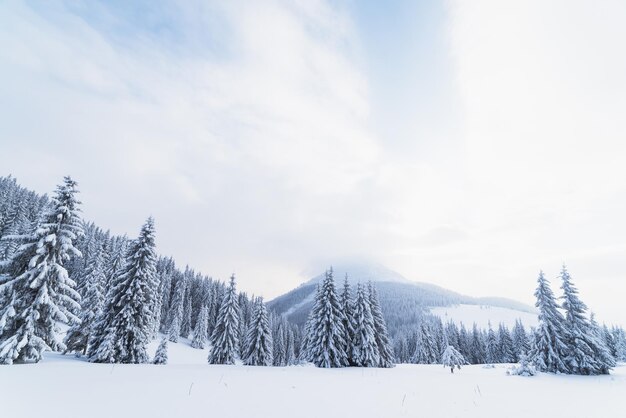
x: 225, y: 338
x: 279, y: 344
x: 364, y: 347
x: 326, y: 343
x: 506, y: 353
x: 258, y: 346
x: 185, y: 325
x: 127, y: 318
x: 491, y: 350
x: 548, y: 349
x: 348, y: 320
x: 586, y: 352
x: 92, y: 292
x: 452, y: 358
x: 35, y: 289
x: 477, y: 346
x: 160, y: 357
x: 385, y: 350
x: 176, y: 311
x: 520, y: 340
x: 200, y: 332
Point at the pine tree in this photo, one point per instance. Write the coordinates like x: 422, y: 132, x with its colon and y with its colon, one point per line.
x: 326, y: 334
x: 548, y: 350
x: 364, y: 347
x: 492, y: 355
x: 201, y: 332
x: 92, y: 292
x: 127, y: 318
x: 258, y: 350
x: 279, y: 344
x: 505, y: 345
x: 348, y: 321
x: 225, y: 338
x: 586, y: 352
x: 477, y: 346
x: 380, y: 330
x: 452, y: 358
x: 176, y: 311
x: 290, y: 355
x: 160, y: 357
x: 520, y: 341
x: 185, y: 325
x: 35, y: 289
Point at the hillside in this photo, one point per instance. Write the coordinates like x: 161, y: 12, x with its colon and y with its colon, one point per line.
x: 403, y: 302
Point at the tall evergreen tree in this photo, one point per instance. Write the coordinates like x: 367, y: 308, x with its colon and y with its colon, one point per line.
x: 364, y: 347
x: 506, y: 352
x: 279, y: 343
x: 175, y: 314
x: 326, y: 343
x: 127, y: 317
x: 586, y: 352
x: 520, y: 341
x: 35, y: 289
x: 92, y: 292
x: 385, y: 350
x: 348, y: 320
x: 258, y: 350
x: 185, y: 325
x: 160, y: 357
x: 548, y: 350
x: 492, y: 354
x: 200, y: 332
x: 225, y: 338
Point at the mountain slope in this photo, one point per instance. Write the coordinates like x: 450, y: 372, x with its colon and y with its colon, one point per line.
x: 403, y: 302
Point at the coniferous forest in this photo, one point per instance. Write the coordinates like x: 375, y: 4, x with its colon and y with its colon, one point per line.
x: 69, y: 286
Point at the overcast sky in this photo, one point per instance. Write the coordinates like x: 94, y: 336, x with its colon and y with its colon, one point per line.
x: 464, y: 143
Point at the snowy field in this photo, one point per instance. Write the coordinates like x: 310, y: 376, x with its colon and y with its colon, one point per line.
x: 481, y: 314
x: 63, y: 386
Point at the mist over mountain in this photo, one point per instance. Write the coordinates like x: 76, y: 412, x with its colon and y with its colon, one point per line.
x: 404, y: 302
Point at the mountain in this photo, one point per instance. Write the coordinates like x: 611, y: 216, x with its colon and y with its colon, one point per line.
x: 404, y: 303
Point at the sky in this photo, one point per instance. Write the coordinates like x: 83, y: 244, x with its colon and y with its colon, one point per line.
x: 466, y: 144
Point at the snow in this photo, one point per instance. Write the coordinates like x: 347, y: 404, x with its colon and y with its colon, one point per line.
x: 482, y: 314
x: 64, y: 386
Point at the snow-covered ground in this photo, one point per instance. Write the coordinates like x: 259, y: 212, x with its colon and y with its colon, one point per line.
x: 63, y: 386
x: 481, y: 314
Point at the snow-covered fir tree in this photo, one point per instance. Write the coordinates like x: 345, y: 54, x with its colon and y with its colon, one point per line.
x: 491, y: 346
x: 35, y: 289
x: 278, y: 340
x: 452, y: 358
x: 586, y: 352
x: 185, y: 324
x: 385, y: 351
x: 477, y: 346
x: 506, y: 352
x: 127, y: 318
x: 258, y: 346
x: 92, y: 292
x: 160, y: 357
x: 364, y: 347
x: 520, y: 340
x: 176, y: 311
x: 225, y: 338
x: 347, y: 306
x: 201, y: 331
x: 290, y: 347
x: 548, y: 349
x: 326, y: 343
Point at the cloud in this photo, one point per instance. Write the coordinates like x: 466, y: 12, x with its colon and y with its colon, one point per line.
x: 543, y: 88
x: 244, y: 150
